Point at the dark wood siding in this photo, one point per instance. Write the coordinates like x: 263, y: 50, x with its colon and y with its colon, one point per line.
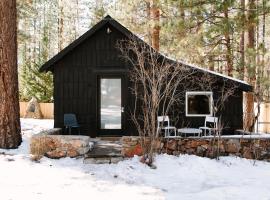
x: 231, y: 115
x: 75, y: 78
x: 75, y: 85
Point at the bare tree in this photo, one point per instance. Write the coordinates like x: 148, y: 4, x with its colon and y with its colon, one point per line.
x: 224, y: 89
x: 157, y: 85
x: 155, y: 18
x: 10, y: 136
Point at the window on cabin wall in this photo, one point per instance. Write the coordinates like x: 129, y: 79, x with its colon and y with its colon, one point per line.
x: 199, y: 104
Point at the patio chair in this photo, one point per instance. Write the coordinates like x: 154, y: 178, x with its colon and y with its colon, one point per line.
x: 210, y: 129
x: 164, y: 124
x: 70, y: 122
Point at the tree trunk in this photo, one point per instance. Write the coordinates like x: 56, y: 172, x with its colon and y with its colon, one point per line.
x: 148, y: 14
x: 10, y: 129
x: 250, y: 74
x: 155, y: 16
x: 211, y: 63
x: 229, y: 61
x: 242, y: 42
x: 60, y: 25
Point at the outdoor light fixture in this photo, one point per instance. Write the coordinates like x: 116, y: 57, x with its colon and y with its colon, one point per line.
x: 108, y: 30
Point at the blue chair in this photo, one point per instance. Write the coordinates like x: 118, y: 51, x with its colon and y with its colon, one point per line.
x: 70, y: 121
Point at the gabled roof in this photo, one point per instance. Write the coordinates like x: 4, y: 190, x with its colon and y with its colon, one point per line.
x: 105, y: 21
x: 48, y: 66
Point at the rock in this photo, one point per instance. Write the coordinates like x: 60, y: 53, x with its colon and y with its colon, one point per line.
x: 194, y: 144
x: 265, y: 155
x: 83, y: 150
x: 116, y: 159
x: 182, y: 149
x: 205, y: 146
x: 247, y: 153
x: 158, y: 144
x: 33, y: 109
x: 71, y: 152
x: 51, y: 143
x: 201, y: 151
x: 104, y: 160
x: 125, y: 139
x: 233, y: 146
x: 190, y: 151
x: 211, y: 152
x: 222, y: 148
x: 171, y: 144
x: 56, y: 154
x: 130, y: 152
x: 77, y: 143
x: 181, y: 142
x: 56, y: 146
x: 133, y: 143
x: 197, y: 143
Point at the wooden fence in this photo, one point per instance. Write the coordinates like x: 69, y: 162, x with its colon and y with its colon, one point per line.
x: 263, y: 124
x: 46, y: 109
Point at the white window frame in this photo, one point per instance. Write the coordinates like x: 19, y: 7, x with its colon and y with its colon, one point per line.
x: 199, y: 93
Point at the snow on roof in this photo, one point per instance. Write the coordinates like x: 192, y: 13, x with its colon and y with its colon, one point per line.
x: 207, y: 70
x: 215, y: 73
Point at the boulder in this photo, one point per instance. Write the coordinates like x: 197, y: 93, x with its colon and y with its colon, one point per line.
x: 171, y: 144
x: 58, y: 146
x: 33, y: 109
x: 247, y: 153
x: 72, y: 152
x: 201, y: 151
x: 133, y: 150
x: 233, y: 146
x: 55, y: 154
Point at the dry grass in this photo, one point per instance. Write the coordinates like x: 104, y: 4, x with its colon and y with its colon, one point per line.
x: 39, y: 146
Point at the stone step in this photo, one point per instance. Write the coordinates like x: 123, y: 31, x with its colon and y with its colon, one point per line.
x: 104, y: 152
x: 103, y: 160
x: 110, y: 138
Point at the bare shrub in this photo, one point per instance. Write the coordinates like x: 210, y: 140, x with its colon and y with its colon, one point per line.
x: 158, y: 84
x: 38, y: 147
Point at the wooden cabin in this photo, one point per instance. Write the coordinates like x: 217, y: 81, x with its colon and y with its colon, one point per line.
x: 91, y: 81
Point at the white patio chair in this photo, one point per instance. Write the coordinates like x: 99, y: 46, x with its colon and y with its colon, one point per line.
x: 210, y: 130
x: 164, y: 124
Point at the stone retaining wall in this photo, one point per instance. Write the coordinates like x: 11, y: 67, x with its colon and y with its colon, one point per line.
x: 52, y: 145
x: 250, y: 148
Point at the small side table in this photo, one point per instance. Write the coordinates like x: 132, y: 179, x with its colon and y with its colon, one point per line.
x: 190, y: 131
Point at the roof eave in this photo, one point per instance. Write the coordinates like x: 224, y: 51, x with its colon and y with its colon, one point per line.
x: 50, y: 63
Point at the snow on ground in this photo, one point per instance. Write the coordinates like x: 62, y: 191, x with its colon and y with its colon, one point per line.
x: 184, y: 177
x: 28, y: 128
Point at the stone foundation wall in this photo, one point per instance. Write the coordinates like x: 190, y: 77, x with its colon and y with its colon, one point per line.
x: 52, y: 145
x: 250, y: 148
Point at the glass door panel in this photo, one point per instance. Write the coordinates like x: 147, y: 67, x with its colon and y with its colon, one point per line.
x: 110, y: 103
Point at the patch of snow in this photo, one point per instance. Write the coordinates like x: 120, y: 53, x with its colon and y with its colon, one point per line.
x: 185, y: 177
x: 29, y: 127
x: 255, y: 136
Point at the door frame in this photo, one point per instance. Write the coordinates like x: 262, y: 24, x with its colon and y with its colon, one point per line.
x: 111, y: 132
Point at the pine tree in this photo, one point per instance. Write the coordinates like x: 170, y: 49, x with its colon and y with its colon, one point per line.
x: 34, y: 83
x: 10, y: 129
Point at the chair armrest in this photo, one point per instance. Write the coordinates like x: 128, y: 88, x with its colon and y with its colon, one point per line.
x: 204, y: 127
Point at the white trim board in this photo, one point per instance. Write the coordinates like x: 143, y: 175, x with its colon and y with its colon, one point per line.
x: 199, y: 93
